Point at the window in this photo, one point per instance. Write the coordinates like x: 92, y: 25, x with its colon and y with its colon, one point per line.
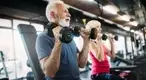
x: 17, y: 22
x: 129, y: 45
x: 20, y: 52
x: 38, y: 27
x: 5, y: 23
x: 21, y: 56
x: 13, y: 48
x: 120, y: 45
x: 6, y: 43
x: 6, y: 46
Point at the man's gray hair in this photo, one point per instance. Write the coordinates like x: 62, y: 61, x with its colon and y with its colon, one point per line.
x: 52, y: 7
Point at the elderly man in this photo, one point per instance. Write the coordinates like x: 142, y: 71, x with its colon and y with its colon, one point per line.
x: 60, y: 61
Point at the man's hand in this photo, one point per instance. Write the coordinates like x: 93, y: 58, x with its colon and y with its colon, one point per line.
x: 83, y: 55
x: 56, y: 33
x: 50, y: 65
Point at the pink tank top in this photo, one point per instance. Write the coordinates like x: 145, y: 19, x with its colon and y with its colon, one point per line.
x: 99, y: 66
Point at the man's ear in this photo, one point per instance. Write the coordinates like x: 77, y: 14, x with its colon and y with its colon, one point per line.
x: 52, y: 13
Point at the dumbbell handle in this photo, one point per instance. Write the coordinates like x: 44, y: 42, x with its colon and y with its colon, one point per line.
x: 104, y: 37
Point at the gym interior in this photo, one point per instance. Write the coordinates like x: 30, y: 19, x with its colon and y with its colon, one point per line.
x: 125, y: 19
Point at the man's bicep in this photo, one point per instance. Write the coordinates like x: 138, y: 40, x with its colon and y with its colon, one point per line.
x: 43, y: 47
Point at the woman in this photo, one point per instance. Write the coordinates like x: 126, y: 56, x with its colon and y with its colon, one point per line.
x: 100, y: 66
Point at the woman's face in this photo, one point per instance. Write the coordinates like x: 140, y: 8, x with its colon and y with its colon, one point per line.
x: 98, y: 31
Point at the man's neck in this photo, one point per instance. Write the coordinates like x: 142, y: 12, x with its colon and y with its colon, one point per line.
x: 56, y: 22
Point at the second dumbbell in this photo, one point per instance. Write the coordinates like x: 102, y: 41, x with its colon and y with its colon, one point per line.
x: 104, y: 37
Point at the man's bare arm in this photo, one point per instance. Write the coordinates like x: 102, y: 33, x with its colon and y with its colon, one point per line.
x: 83, y: 55
x: 50, y: 65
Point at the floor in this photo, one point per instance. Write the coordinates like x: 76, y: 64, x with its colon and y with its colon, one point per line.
x: 85, y: 75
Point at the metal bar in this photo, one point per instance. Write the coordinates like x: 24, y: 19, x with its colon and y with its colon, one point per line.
x: 132, y: 50
x: 4, y: 66
x: 126, y: 45
x: 144, y: 41
x: 14, y: 52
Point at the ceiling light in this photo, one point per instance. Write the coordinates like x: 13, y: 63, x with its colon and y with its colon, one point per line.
x: 131, y: 23
x: 134, y: 23
x: 108, y: 21
x: 127, y: 28
x: 124, y: 17
x: 111, y: 9
x: 90, y: 0
x: 84, y: 12
x: 131, y: 30
x: 89, y: 14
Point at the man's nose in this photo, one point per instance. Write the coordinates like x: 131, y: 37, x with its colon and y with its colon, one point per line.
x: 100, y: 29
x: 68, y: 14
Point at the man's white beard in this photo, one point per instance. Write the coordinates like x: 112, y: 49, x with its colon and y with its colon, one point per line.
x: 63, y: 23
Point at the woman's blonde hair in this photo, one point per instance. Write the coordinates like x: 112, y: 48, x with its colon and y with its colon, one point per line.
x: 92, y: 24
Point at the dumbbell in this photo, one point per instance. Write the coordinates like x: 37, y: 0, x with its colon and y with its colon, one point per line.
x: 104, y: 37
x: 66, y: 35
x: 93, y: 32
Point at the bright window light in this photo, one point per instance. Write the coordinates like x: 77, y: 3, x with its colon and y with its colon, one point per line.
x: 38, y: 27
x: 5, y: 23
x: 17, y: 22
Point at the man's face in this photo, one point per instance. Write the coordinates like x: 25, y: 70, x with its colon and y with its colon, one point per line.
x: 63, y: 16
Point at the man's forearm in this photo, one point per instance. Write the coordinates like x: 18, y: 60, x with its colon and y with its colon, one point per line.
x: 51, y: 65
x: 83, y: 55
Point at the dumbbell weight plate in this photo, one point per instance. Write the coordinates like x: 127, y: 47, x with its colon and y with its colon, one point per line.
x: 66, y: 35
x: 116, y: 37
x: 104, y: 37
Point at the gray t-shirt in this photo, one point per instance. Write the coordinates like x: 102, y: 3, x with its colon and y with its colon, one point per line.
x: 68, y: 69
